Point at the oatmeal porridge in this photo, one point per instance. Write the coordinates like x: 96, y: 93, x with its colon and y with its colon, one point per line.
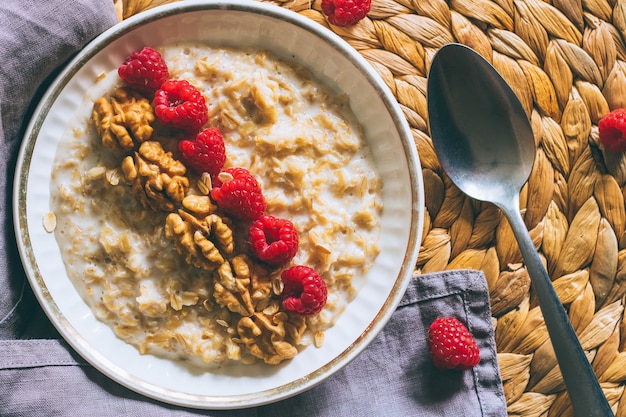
x: 127, y: 258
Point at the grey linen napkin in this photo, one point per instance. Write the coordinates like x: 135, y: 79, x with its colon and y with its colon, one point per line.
x: 41, y: 375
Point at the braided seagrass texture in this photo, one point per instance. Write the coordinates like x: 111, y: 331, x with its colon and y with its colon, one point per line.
x: 566, y: 60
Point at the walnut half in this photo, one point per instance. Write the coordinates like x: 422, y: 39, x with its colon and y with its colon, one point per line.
x: 158, y: 180
x: 123, y: 119
x: 265, y: 336
x: 203, y: 241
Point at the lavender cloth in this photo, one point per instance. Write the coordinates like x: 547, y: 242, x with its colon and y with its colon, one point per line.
x: 40, y: 374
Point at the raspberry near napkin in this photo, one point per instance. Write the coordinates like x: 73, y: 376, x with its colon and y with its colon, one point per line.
x: 41, y: 375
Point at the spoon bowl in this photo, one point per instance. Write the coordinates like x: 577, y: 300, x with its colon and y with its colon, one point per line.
x: 485, y: 144
x: 470, y: 116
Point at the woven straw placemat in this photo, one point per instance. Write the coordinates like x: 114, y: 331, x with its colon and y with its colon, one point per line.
x: 566, y: 60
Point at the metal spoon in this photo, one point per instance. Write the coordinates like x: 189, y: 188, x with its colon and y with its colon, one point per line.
x: 485, y: 144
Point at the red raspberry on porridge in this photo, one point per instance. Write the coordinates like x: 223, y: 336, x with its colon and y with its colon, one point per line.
x: 144, y: 70
x: 180, y: 105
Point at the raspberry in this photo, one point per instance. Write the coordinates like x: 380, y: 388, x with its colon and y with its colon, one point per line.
x: 345, y: 12
x: 304, y: 291
x: 612, y: 130
x: 206, y: 153
x: 144, y: 70
x: 272, y: 240
x: 180, y: 105
x: 238, y: 193
x: 451, y: 345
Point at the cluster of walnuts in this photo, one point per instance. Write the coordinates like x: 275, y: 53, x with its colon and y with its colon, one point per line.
x: 203, y: 236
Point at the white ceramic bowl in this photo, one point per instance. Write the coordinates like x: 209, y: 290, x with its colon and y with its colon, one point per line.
x: 293, y: 38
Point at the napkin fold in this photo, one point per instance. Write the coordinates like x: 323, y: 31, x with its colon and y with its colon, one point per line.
x: 41, y: 375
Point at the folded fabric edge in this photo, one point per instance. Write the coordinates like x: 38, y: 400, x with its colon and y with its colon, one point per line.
x: 445, y: 283
x: 33, y: 353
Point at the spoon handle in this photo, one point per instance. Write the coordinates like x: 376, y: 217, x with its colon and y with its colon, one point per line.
x: 582, y: 385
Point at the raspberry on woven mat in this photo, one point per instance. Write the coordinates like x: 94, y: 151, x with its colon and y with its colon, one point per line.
x: 451, y: 345
x: 273, y: 240
x: 345, y: 12
x: 304, y: 291
x: 144, y: 70
x: 205, y: 153
x: 612, y: 130
x: 180, y: 105
x: 238, y: 193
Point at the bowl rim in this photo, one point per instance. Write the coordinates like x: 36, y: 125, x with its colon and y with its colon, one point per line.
x: 414, y: 167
